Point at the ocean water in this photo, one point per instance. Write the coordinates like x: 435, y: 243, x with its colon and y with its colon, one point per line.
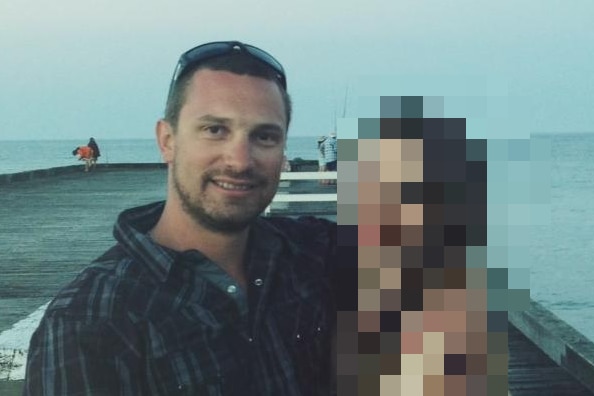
x: 561, y: 254
x: 25, y: 155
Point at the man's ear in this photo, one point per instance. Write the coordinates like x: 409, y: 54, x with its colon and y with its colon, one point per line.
x: 165, y: 140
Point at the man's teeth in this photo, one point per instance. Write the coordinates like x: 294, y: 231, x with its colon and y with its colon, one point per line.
x: 230, y: 186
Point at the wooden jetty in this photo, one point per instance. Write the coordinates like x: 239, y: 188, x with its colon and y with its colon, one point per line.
x: 53, y: 222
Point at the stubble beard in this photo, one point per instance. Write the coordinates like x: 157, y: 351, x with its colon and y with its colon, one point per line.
x: 215, y: 219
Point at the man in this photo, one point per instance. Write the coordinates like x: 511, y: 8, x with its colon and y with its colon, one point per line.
x: 200, y: 295
x: 330, y: 154
x: 321, y: 159
x: 96, y: 152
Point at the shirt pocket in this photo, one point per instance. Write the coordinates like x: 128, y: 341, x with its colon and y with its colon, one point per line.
x: 305, y: 323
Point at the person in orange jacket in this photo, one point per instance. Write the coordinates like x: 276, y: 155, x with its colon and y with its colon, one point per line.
x: 85, y: 153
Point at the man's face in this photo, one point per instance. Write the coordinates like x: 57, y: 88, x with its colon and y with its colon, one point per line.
x: 226, y: 155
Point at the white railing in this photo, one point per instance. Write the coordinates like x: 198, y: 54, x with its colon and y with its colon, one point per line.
x: 285, y: 197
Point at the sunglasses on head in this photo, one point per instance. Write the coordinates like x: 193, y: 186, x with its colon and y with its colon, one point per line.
x: 207, y: 51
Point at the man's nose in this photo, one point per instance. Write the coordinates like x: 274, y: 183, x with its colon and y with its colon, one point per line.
x: 238, y: 154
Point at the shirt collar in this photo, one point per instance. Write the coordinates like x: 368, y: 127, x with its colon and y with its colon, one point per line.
x: 133, y: 225
x: 131, y: 231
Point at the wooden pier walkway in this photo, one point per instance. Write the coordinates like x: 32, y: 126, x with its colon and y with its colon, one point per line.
x: 51, y: 227
x: 532, y: 373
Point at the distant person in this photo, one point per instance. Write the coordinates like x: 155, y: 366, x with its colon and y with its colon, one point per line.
x: 85, y: 153
x: 330, y: 154
x: 321, y: 158
x: 96, y: 153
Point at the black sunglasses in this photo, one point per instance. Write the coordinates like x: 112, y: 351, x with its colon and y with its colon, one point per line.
x: 219, y: 48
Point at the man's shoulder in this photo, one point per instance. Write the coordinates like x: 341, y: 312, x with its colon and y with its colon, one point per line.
x: 100, y: 290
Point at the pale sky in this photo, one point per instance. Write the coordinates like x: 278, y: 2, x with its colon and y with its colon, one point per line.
x: 73, y: 69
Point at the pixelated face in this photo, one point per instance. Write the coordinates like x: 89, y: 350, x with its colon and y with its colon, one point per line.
x: 420, y: 316
x: 387, y: 168
x: 387, y: 223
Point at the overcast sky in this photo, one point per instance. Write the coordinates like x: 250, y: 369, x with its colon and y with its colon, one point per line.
x: 74, y: 69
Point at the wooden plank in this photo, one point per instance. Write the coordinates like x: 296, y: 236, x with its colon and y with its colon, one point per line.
x: 51, y: 228
x: 533, y: 373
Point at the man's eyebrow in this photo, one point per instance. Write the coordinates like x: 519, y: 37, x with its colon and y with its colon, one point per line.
x: 214, y: 119
x: 209, y: 118
x: 269, y: 126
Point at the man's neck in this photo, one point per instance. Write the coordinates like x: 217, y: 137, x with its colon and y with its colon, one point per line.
x: 178, y: 232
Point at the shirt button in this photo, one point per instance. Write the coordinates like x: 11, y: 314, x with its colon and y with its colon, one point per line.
x: 258, y: 282
x: 298, y: 336
x: 250, y: 339
x: 231, y: 289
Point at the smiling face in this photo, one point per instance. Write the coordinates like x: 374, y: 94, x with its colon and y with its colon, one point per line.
x: 226, y: 153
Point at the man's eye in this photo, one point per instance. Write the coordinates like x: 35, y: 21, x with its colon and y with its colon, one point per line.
x: 214, y: 129
x: 268, y: 138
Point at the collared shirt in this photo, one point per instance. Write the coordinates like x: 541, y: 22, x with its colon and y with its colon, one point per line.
x: 147, y: 320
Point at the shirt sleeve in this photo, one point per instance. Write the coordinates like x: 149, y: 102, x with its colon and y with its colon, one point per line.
x: 70, y: 357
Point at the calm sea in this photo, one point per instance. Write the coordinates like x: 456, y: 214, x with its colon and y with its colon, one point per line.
x: 21, y: 155
x: 561, y: 266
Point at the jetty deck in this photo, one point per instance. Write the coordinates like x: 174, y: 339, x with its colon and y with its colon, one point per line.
x: 51, y: 227
x: 53, y: 222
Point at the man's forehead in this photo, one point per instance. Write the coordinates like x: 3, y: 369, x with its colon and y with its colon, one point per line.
x: 215, y: 88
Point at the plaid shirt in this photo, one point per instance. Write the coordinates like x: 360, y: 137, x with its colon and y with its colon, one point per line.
x: 147, y: 320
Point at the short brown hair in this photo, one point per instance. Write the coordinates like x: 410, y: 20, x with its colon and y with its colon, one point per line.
x: 238, y: 63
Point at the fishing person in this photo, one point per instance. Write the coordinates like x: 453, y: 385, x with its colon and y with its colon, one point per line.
x: 84, y: 153
x: 96, y: 152
x: 201, y: 295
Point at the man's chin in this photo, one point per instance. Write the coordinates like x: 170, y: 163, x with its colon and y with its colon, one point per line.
x: 227, y: 216
x: 224, y: 224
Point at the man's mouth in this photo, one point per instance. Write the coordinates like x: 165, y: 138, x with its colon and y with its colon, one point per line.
x: 234, y: 186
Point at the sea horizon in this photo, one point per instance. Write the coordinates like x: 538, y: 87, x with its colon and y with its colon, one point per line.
x: 28, y: 155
